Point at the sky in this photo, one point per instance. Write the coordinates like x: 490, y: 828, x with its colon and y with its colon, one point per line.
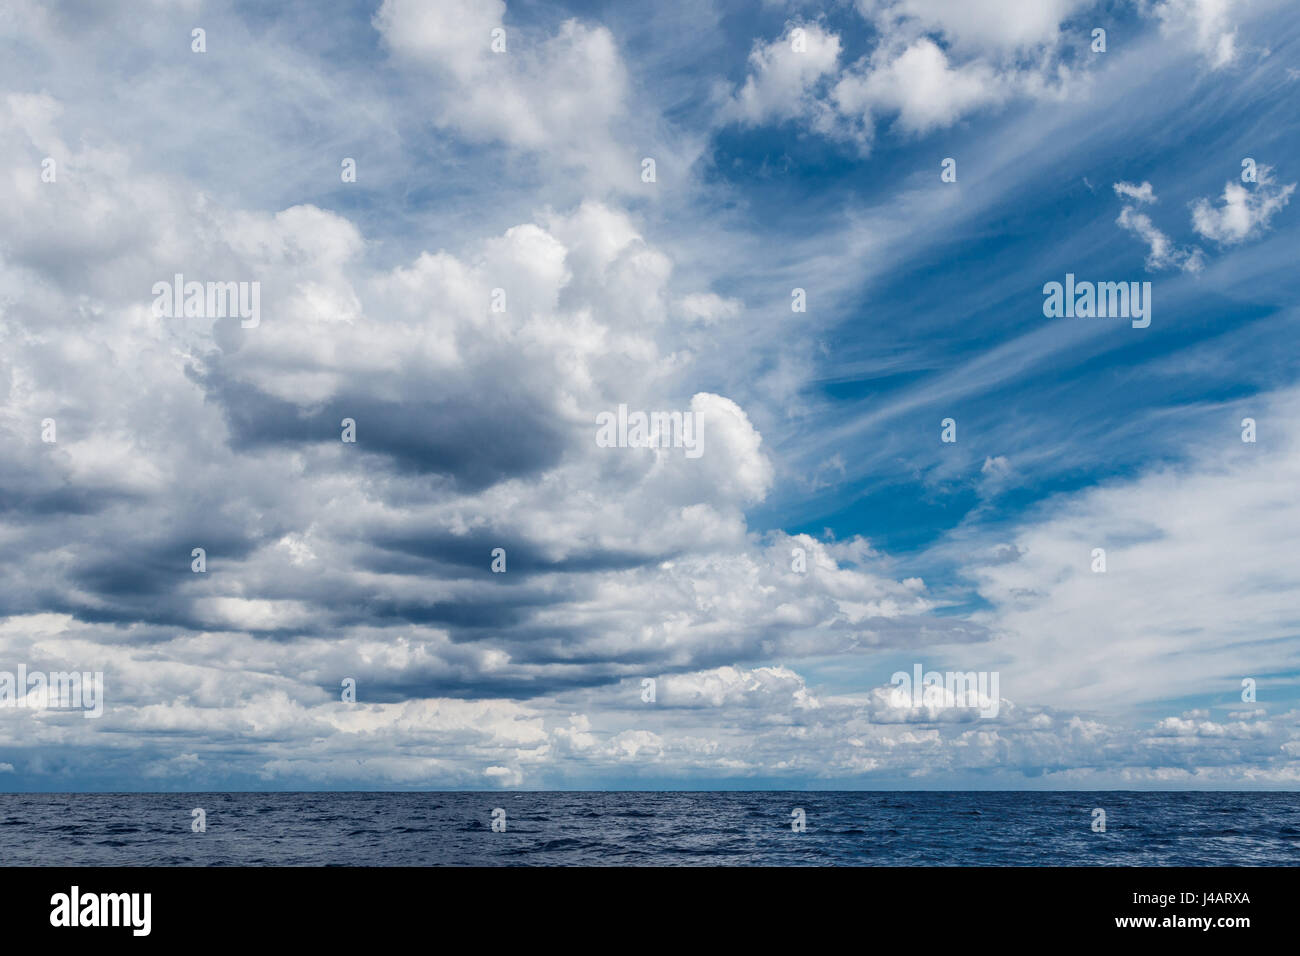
x: 823, y: 233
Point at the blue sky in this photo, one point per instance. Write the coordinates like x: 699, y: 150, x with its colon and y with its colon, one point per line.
x: 796, y: 146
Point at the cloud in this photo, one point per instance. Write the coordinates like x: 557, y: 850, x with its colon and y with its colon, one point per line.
x: 1140, y: 194
x: 993, y: 51
x: 995, y: 473
x: 326, y: 560
x: 1182, y: 607
x: 1163, y: 254
x: 456, y: 34
x: 1208, y: 22
x: 562, y: 96
x: 922, y: 87
x: 475, y: 426
x: 994, y: 26
x: 726, y: 686
x: 738, y: 723
x: 1179, y: 727
x: 707, y: 307
x: 1243, y: 213
x: 784, y: 73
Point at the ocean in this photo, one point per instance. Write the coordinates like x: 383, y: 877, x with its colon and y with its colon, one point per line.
x: 911, y: 828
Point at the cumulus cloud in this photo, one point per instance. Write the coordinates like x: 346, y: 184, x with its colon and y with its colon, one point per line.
x: 1243, y: 213
x: 328, y: 560
x: 562, y: 95
x: 921, y: 87
x: 736, y: 722
x: 567, y: 88
x: 783, y: 74
x: 932, y: 64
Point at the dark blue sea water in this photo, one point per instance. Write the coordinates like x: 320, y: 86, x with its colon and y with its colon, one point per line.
x: 652, y: 829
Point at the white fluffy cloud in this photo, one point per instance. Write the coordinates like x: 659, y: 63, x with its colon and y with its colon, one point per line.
x: 562, y: 95
x: 784, y: 73
x: 1243, y: 212
x: 921, y: 87
x: 908, y: 76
